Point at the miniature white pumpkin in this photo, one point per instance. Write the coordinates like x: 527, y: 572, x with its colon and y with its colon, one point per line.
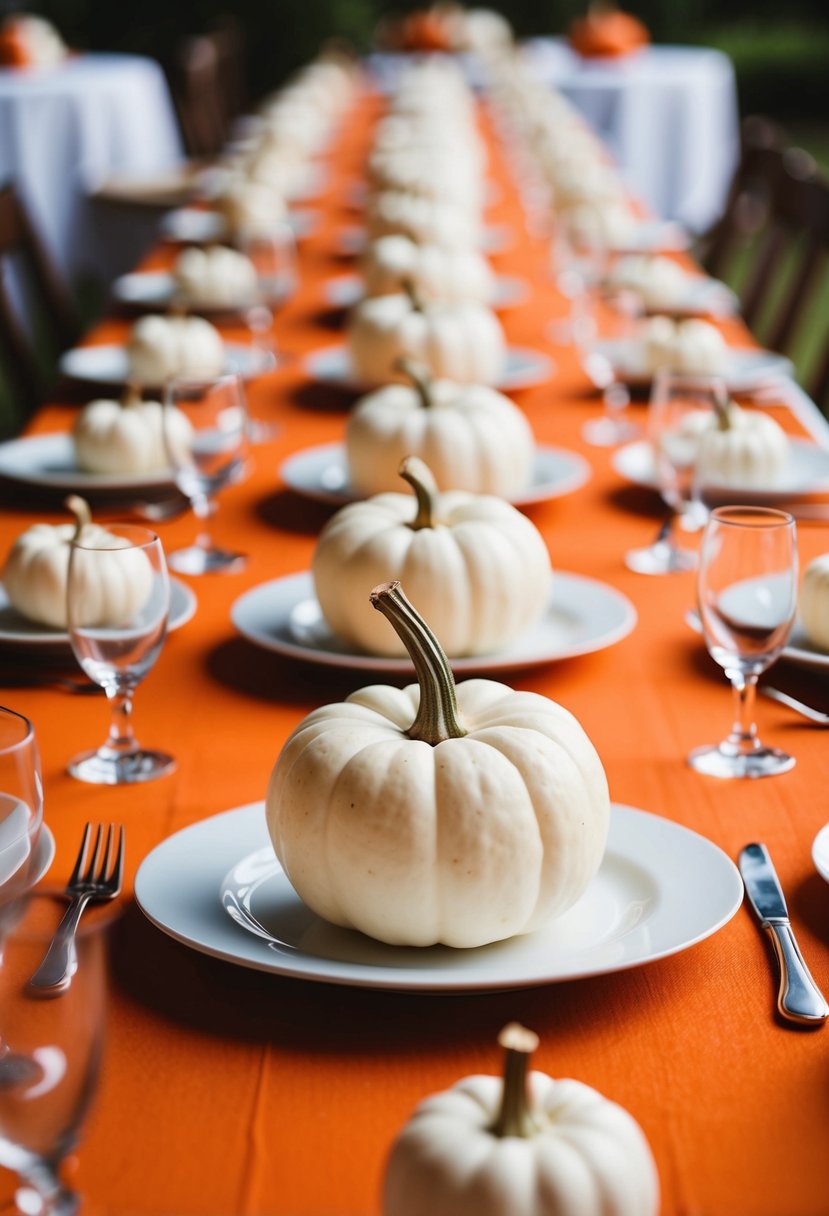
x: 462, y: 342
x: 471, y: 437
x: 35, y: 574
x: 599, y: 225
x: 217, y: 277
x: 250, y: 208
x: 742, y: 449
x: 814, y: 601
x: 474, y: 566
x: 426, y: 173
x: 423, y: 220
x: 161, y: 347
x: 691, y: 347
x: 521, y: 1145
x: 436, y: 273
x: 128, y: 436
x: 429, y: 814
x: 658, y: 281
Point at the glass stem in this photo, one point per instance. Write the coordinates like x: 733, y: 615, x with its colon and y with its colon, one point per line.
x: 204, y: 507
x: 121, y: 740
x: 53, y: 1197
x: 743, y: 739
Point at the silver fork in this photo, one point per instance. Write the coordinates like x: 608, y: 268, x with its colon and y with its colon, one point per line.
x: 96, y: 881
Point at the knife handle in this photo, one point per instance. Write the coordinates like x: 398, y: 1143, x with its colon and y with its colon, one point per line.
x: 799, y: 999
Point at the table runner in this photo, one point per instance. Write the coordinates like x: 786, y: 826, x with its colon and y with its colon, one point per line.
x: 228, y: 1091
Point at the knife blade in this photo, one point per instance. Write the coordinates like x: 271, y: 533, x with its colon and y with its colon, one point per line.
x: 799, y: 999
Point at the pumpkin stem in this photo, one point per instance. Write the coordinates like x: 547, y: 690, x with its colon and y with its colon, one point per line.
x: 515, y: 1116
x: 79, y: 507
x: 437, y: 718
x: 411, y: 291
x: 420, y: 378
x: 419, y: 476
x: 131, y: 394
x: 722, y: 406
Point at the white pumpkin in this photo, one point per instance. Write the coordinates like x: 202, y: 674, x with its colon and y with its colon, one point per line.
x: 436, y: 272
x: 428, y: 173
x: 693, y: 348
x: 471, y: 437
x: 423, y: 220
x: 814, y: 601
x: 35, y: 573
x: 473, y: 565
x: 658, y: 281
x: 128, y: 436
x: 250, y: 207
x: 462, y: 342
x: 161, y: 347
x: 605, y: 225
x: 520, y: 1145
x: 217, y: 277
x: 742, y: 449
x: 429, y: 814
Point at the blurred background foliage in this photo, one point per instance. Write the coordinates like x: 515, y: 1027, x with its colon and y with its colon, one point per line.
x: 780, y: 52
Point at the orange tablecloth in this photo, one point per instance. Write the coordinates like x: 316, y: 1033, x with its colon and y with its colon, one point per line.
x: 228, y: 1091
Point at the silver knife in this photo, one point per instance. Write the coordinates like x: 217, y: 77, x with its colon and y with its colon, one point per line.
x: 799, y: 999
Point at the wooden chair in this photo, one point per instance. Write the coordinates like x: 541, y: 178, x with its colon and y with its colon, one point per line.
x: 35, y: 304
x: 208, y: 81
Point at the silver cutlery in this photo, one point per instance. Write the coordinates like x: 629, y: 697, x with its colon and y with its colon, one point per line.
x: 807, y: 711
x: 799, y: 1000
x: 96, y: 881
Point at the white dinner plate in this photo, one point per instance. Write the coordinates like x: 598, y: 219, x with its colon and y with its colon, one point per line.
x: 495, y: 238
x: 48, y: 461
x: 44, y: 854
x: 197, y: 225
x: 16, y: 630
x: 583, y: 616
x: 155, y: 290
x: 799, y: 649
x: 347, y: 290
x: 654, y: 236
x: 744, y: 369
x: 701, y: 297
x: 108, y: 364
x: 807, y: 472
x: 321, y: 473
x: 820, y: 852
x: 524, y: 368
x: 660, y: 889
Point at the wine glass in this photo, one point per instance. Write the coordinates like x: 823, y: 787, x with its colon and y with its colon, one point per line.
x: 21, y: 804
x: 615, y: 312
x: 117, y: 601
x: 212, y: 458
x: 681, y: 408
x: 578, y: 266
x: 747, y: 599
x: 49, y: 1069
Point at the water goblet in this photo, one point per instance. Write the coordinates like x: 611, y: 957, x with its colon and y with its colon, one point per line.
x: 578, y: 266
x: 212, y: 460
x: 21, y: 805
x: 49, y: 1069
x: 615, y: 313
x: 681, y: 408
x: 747, y: 600
x: 118, y: 599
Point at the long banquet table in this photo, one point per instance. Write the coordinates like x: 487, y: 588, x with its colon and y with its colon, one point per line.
x: 225, y: 1090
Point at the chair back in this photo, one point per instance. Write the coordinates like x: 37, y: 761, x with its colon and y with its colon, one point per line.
x: 36, y: 308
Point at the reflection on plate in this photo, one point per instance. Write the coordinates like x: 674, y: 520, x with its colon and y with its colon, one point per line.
x: 583, y: 616
x: 820, y: 852
x: 660, y: 889
x: 200, y: 225
x: 109, y: 365
x: 495, y: 238
x: 807, y: 472
x: 347, y: 290
x: 799, y: 649
x: 155, y: 290
x: 44, y: 854
x: 321, y: 473
x: 744, y: 370
x: 49, y: 461
x: 524, y: 368
x: 16, y: 630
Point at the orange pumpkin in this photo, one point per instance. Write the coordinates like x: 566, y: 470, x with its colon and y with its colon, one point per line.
x: 14, y: 50
x: 607, y: 31
x: 427, y: 30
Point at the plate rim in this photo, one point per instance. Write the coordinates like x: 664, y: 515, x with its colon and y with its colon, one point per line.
x: 782, y: 366
x: 454, y: 981
x: 581, y: 474
x: 519, y: 291
x: 59, y: 640
x: 469, y: 665
x: 128, y: 483
x: 233, y: 311
x: 820, y: 845
x: 257, y: 364
x: 617, y: 460
x: 545, y: 364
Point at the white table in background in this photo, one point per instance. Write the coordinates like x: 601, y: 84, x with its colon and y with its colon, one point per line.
x: 668, y: 114
x: 65, y: 130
